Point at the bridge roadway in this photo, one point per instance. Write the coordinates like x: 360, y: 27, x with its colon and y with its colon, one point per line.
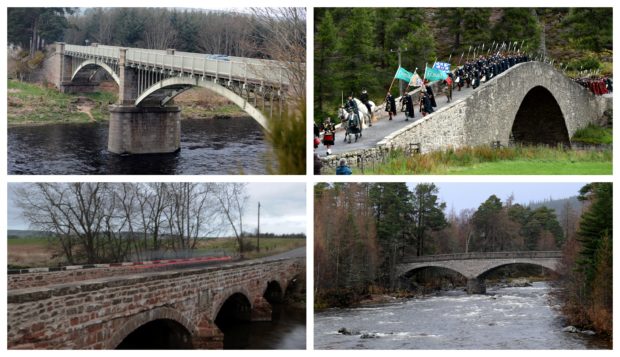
x: 384, y: 127
x: 188, y: 304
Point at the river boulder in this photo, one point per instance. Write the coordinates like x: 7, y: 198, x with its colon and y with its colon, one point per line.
x: 519, y: 283
x: 347, y: 332
x: 571, y: 329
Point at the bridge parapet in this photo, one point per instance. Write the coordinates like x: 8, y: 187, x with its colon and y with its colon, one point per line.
x: 238, y: 69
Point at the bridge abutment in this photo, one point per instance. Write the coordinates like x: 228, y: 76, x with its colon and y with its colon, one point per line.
x: 476, y: 286
x: 79, y: 87
x: 144, y: 130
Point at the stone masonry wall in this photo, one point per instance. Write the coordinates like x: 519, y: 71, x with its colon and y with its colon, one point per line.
x: 99, y: 313
x: 488, y: 114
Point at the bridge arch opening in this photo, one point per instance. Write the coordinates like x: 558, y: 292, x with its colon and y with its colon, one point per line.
x: 233, y: 320
x: 167, y: 89
x: 431, y: 278
x: 274, y: 293
x: 517, y: 270
x: 158, y: 334
x: 539, y: 120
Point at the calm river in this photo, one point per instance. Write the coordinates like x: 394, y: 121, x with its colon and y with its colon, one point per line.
x: 505, y: 318
x: 287, y: 331
x: 208, y: 146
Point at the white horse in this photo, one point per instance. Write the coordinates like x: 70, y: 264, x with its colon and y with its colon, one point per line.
x: 365, y: 116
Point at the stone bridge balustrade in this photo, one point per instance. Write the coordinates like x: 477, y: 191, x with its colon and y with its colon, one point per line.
x: 102, y: 312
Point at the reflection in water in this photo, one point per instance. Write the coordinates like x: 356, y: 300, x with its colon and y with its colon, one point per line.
x: 208, y: 146
x: 286, y: 331
x: 506, y: 318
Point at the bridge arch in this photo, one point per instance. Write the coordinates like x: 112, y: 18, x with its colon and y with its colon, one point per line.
x: 545, y: 264
x: 237, y: 302
x: 540, y: 120
x: 162, y: 316
x: 95, y: 64
x: 274, y: 292
x: 168, y: 88
x: 437, y: 265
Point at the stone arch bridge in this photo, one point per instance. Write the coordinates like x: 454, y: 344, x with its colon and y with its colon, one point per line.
x: 531, y: 103
x: 143, y: 121
x: 182, y: 308
x: 474, y: 266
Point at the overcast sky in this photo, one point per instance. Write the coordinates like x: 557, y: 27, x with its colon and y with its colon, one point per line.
x: 471, y: 195
x: 283, y: 208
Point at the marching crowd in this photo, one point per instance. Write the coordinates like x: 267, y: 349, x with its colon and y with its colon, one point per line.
x: 597, y: 85
x: 472, y: 74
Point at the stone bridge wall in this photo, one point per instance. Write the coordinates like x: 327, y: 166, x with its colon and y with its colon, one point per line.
x: 488, y: 114
x: 475, y: 268
x: 100, y: 313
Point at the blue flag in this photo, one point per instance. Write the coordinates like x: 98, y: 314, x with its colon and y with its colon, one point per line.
x: 403, y: 74
x: 442, y: 66
x: 433, y: 74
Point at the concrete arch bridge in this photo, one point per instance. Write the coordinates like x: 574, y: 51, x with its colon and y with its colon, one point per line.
x: 143, y: 120
x: 475, y: 266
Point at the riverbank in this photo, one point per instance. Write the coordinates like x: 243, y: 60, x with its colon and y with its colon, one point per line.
x: 36, y: 104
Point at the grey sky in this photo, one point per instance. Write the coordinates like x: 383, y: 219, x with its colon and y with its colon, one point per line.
x: 471, y: 195
x: 283, y: 208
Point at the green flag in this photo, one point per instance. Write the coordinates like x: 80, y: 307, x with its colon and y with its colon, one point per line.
x: 434, y: 74
x: 403, y: 74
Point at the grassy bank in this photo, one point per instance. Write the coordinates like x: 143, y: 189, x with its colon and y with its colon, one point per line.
x: 34, y: 104
x: 30, y: 104
x: 490, y: 161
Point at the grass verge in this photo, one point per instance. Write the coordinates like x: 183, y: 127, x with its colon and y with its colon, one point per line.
x: 519, y: 160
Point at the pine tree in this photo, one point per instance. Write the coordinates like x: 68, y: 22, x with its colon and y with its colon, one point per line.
x: 595, y: 224
x: 427, y: 214
x: 590, y: 28
x: 325, y: 44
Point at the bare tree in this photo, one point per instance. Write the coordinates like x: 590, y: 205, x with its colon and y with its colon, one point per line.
x: 159, y: 32
x: 232, y: 198
x: 282, y: 34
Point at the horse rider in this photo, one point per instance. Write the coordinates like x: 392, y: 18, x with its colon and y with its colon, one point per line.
x: 364, y: 98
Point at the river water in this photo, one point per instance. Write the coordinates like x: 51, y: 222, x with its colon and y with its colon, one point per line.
x: 286, y: 331
x: 505, y: 318
x: 208, y: 146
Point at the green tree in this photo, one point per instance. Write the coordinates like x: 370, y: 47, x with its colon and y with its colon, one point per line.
x: 590, y: 28
x: 427, y: 214
x: 596, y: 223
x: 391, y: 206
x: 355, y: 67
x: 26, y: 26
x: 325, y: 44
x: 486, y: 222
x: 476, y: 27
x: 517, y: 24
